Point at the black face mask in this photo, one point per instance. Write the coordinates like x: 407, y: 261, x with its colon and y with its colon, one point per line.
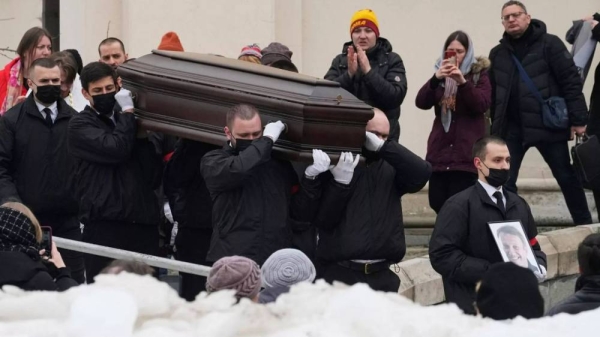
x: 48, y: 94
x: 241, y: 144
x: 497, y: 177
x: 370, y: 156
x: 105, y: 103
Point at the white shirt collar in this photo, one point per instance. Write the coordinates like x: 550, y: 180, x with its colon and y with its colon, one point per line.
x: 53, y: 107
x: 490, y: 190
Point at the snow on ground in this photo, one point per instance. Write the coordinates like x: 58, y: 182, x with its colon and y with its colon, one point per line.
x: 129, y: 305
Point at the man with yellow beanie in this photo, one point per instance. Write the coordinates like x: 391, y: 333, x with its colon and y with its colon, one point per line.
x: 369, y: 69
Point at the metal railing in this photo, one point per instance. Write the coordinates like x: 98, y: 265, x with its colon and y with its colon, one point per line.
x: 114, y: 253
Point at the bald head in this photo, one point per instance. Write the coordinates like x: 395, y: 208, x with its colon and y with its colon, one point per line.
x: 379, y: 124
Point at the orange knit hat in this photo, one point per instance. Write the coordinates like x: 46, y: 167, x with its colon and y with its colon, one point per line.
x: 364, y: 18
x: 170, y: 41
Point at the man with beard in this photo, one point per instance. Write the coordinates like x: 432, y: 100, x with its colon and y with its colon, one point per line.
x: 462, y: 247
x: 112, y: 52
x: 360, y: 220
x: 116, y: 173
x: 35, y: 165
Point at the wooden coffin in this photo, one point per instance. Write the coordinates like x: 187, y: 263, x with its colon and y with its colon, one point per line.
x: 189, y: 94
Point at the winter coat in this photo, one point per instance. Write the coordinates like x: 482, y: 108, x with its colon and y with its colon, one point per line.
x: 35, y: 165
x: 585, y: 298
x: 550, y: 66
x: 116, y: 174
x: 451, y: 151
x: 256, y: 201
x: 594, y: 123
x: 384, y: 87
x: 20, y: 270
x: 462, y: 246
x: 363, y: 220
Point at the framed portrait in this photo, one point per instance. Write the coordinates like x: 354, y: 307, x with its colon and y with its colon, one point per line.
x: 513, y: 244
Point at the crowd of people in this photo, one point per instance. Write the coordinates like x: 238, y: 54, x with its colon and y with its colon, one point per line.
x: 72, y: 152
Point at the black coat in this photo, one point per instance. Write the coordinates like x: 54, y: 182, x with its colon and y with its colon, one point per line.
x: 363, y: 220
x: 594, y: 124
x: 462, y: 246
x: 35, y: 165
x: 257, y: 202
x: 116, y: 174
x: 19, y: 270
x: 384, y: 87
x: 585, y: 298
x: 550, y: 66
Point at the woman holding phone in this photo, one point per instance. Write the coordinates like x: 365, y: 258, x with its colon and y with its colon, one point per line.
x: 460, y: 93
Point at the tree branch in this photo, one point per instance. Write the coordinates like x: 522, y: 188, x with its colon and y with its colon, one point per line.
x: 9, y: 50
x: 7, y: 19
x: 107, y: 29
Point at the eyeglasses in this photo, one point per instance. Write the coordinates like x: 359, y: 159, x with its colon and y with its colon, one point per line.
x: 513, y: 15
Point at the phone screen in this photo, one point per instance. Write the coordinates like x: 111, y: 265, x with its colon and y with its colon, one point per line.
x: 451, y: 55
x: 47, y: 240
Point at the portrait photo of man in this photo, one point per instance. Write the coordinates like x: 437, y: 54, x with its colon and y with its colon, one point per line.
x: 515, y: 246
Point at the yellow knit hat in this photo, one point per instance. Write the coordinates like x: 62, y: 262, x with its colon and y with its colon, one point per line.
x: 364, y: 18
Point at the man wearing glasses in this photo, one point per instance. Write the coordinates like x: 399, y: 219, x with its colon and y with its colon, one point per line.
x: 517, y: 110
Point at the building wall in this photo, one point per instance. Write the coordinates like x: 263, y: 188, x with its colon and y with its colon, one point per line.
x: 315, y: 30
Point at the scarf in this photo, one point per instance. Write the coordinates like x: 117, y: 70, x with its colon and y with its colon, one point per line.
x: 16, y: 233
x: 14, y: 87
x: 448, y: 102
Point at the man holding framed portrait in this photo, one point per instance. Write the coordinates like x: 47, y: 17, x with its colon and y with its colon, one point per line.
x: 463, y: 246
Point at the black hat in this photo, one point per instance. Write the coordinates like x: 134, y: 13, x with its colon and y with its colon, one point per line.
x: 507, y: 291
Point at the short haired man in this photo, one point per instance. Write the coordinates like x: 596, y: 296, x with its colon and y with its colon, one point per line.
x: 35, y: 165
x: 515, y: 247
x: 516, y: 113
x: 257, y: 202
x: 112, y: 52
x: 587, y: 287
x: 360, y: 219
x: 116, y: 174
x: 462, y: 248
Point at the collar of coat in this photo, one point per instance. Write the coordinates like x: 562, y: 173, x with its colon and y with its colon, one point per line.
x: 511, y: 198
x: 382, y: 45
x: 64, y: 110
x: 538, y: 28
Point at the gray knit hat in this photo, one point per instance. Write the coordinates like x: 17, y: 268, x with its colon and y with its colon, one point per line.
x: 236, y: 273
x: 286, y: 267
x: 276, y: 52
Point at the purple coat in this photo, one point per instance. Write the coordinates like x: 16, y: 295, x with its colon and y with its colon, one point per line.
x: 451, y: 151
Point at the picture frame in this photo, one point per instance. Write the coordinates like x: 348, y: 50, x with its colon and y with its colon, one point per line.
x: 513, y: 244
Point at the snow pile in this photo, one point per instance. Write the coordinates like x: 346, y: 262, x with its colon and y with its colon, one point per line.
x: 129, y: 305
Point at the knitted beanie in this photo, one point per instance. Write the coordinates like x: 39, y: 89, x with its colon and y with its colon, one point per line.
x: 275, y: 52
x: 252, y: 49
x: 170, y: 41
x: 287, y: 267
x: 507, y: 291
x: 236, y: 273
x: 364, y: 18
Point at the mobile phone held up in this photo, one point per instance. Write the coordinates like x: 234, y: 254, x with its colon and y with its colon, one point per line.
x: 47, y: 241
x: 451, y: 55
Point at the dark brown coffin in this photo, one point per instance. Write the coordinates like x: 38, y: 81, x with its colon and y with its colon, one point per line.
x: 189, y: 94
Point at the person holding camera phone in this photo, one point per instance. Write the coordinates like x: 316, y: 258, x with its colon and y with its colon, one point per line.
x: 370, y: 70
x: 460, y: 93
x: 22, y: 263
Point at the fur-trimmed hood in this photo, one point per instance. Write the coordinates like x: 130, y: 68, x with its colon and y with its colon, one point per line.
x: 481, y: 63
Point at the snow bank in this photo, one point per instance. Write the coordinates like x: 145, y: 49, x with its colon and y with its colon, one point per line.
x: 129, y: 305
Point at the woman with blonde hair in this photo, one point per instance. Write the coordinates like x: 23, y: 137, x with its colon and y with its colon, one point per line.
x: 251, y: 53
x: 21, y: 263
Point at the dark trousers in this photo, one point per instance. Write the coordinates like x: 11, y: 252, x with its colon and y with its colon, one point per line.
x: 443, y: 185
x: 68, y: 228
x: 192, y: 246
x: 597, y: 201
x: 140, y: 238
x: 384, y: 280
x: 557, y: 157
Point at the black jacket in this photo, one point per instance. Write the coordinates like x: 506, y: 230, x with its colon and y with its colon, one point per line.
x: 184, y: 186
x: 586, y: 297
x: 20, y: 270
x: 384, y: 87
x: 363, y: 220
x: 550, y: 66
x: 116, y: 174
x: 35, y: 165
x: 257, y: 202
x: 462, y: 246
x: 594, y: 125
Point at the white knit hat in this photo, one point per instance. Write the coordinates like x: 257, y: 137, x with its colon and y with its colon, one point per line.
x: 286, y: 267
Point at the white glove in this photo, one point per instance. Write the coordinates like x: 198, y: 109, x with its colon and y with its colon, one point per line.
x: 344, y: 170
x: 541, y: 276
x: 320, y: 164
x: 273, y: 130
x: 372, y: 142
x: 124, y: 99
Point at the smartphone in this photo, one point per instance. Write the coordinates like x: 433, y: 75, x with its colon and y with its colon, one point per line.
x: 450, y: 55
x: 47, y: 240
